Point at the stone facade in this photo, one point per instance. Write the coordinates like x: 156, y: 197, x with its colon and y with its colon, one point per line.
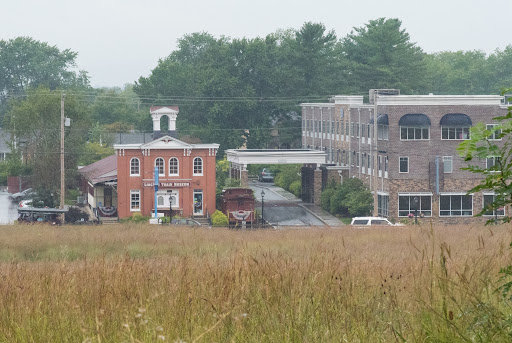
x: 344, y: 129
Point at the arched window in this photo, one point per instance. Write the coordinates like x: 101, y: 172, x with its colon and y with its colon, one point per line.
x: 174, y: 166
x: 198, y: 166
x: 159, y: 162
x: 135, y: 167
x: 455, y: 126
x: 414, y: 126
x: 160, y: 200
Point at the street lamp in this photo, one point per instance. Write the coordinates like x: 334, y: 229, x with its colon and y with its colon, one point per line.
x: 262, y: 207
x: 416, y: 202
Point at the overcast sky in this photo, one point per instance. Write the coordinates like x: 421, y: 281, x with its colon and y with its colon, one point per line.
x: 118, y: 41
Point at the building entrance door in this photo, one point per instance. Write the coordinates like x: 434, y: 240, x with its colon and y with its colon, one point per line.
x: 198, y: 202
x: 107, y: 196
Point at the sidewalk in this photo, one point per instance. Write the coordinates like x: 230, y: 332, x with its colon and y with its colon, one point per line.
x: 323, y: 215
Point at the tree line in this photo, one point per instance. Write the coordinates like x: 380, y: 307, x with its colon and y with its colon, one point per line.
x: 231, y: 91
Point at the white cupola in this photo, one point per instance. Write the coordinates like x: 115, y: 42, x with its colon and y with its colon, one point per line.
x: 157, y: 112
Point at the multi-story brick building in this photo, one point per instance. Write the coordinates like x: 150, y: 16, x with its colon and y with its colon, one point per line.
x: 413, y: 165
x: 186, y: 173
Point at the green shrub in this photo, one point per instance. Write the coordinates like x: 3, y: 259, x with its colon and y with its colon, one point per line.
x: 350, y: 199
x: 219, y: 219
x: 74, y: 215
x: 296, y: 187
x: 136, y: 218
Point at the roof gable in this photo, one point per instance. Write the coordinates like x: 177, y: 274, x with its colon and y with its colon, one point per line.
x: 166, y: 142
x: 164, y: 109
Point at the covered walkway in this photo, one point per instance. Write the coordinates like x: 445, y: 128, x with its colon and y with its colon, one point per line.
x: 239, y: 159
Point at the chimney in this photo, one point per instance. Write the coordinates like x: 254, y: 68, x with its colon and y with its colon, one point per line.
x: 157, y: 112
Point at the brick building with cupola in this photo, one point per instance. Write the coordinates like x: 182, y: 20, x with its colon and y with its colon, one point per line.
x: 186, y: 173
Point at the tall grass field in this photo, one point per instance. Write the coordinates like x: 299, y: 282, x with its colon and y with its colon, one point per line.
x: 142, y: 283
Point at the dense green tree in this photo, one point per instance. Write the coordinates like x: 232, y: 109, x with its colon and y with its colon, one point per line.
x: 26, y: 63
x: 459, y: 72
x: 351, y: 198
x: 35, y: 121
x: 381, y: 55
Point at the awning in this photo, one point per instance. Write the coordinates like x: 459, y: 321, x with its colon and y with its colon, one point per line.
x: 456, y: 119
x: 414, y: 119
x: 382, y: 119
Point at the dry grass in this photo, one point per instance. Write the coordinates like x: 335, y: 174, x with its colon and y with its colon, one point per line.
x: 144, y: 283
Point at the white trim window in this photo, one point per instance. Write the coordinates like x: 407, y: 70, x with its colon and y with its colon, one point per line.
x: 403, y: 164
x: 408, y: 203
x: 198, y: 166
x: 135, y: 200
x: 174, y: 166
x: 455, y: 132
x: 493, y: 164
x: 382, y: 132
x: 488, y: 200
x: 495, y: 133
x: 414, y: 133
x: 383, y: 205
x: 455, y: 205
x: 134, y: 167
x: 447, y: 164
x: 160, y: 164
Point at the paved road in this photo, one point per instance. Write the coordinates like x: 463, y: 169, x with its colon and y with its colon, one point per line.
x: 8, y: 209
x: 282, y: 208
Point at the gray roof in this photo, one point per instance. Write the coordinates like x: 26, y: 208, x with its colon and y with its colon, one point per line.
x: 101, y: 171
x: 133, y: 138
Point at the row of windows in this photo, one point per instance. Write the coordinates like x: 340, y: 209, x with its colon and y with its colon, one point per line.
x: 351, y: 129
x: 407, y: 132
x: 450, y: 205
x: 173, y: 166
x: 492, y: 164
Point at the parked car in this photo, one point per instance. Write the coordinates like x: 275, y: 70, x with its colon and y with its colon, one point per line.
x: 266, y: 175
x: 21, y: 195
x: 372, y: 221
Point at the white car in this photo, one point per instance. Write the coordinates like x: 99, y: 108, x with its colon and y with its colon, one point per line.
x: 372, y: 221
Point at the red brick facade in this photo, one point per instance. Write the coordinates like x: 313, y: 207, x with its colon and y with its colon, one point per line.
x: 191, y: 187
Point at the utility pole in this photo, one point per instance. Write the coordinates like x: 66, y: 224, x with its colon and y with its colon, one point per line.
x: 62, y: 170
x: 375, y: 154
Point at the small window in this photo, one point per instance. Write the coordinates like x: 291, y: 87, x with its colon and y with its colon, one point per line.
x: 174, y: 166
x: 134, y: 167
x: 493, y: 164
x: 383, y: 132
x: 489, y: 211
x: 135, y: 200
x: 159, y: 163
x: 360, y: 222
x: 495, y: 133
x: 404, y: 164
x: 198, y: 166
x: 448, y: 164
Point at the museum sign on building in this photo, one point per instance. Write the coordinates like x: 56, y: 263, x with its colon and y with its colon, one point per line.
x: 186, y: 173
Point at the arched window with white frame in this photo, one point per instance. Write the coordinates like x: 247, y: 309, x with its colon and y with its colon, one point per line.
x: 159, y: 163
x: 134, y: 167
x: 174, y: 166
x: 198, y: 166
